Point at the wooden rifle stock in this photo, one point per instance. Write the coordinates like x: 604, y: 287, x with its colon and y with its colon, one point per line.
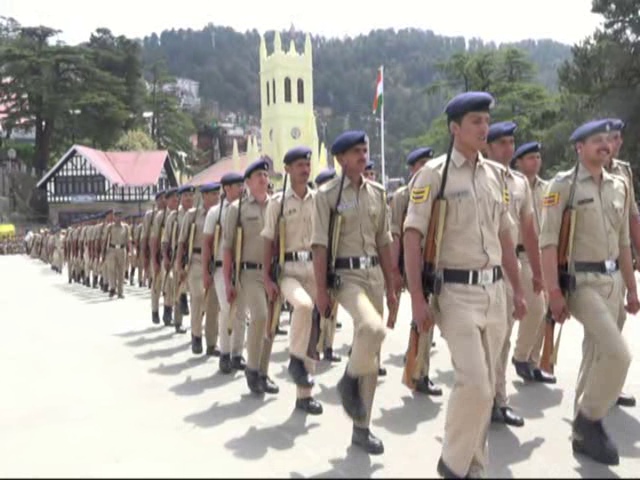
x: 393, y: 311
x: 418, y: 342
x: 235, y: 267
x: 275, y: 269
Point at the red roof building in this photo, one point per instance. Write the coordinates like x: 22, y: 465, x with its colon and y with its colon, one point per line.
x: 86, y: 181
x: 215, y: 172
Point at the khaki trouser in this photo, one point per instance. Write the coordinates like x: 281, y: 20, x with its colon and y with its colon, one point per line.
x: 531, y: 327
x: 252, y: 295
x: 472, y: 320
x: 201, y: 305
x: 298, y: 287
x: 157, y: 276
x: 233, y: 343
x: 598, y: 304
x: 362, y: 296
x: 115, y: 262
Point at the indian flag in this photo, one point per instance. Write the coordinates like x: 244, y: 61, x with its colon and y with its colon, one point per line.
x: 377, y: 101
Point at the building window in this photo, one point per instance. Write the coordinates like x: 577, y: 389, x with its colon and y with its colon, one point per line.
x: 78, y: 185
x: 268, y: 95
x: 273, y: 86
x: 287, y: 90
x: 300, y: 91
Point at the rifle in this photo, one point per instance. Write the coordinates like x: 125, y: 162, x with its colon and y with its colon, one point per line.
x: 211, y: 265
x: 320, y: 321
x: 170, y: 252
x: 188, y: 255
x: 146, y: 248
x: 393, y: 312
x: 277, y: 264
x: 431, y: 279
x: 566, y: 281
x: 235, y: 267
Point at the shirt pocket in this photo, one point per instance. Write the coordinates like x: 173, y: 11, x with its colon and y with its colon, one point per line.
x: 615, y: 212
x: 462, y: 207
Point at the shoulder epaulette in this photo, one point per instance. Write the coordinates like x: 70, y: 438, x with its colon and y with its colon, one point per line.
x: 563, y: 176
x: 496, y: 165
x: 518, y: 174
x: 376, y: 185
x: 330, y: 185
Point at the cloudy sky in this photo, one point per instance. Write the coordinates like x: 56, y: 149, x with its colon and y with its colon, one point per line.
x: 567, y: 21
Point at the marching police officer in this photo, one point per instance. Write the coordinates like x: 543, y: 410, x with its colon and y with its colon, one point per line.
x: 231, y: 344
x: 399, y: 204
x: 500, y: 147
x: 369, y: 172
x: 601, y: 263
x: 297, y: 284
x: 470, y: 304
x: 527, y: 160
x: 363, y: 246
x: 116, y: 244
x: 249, y: 215
x: 157, y: 273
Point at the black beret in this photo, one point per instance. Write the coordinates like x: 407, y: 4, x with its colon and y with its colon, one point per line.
x: 297, y: 153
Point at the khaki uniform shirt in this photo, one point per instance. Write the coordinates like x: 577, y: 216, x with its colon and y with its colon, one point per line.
x: 210, y: 223
x: 298, y: 218
x: 520, y: 201
x: 399, y: 204
x: 365, y: 220
x: 618, y: 167
x: 477, y: 210
x: 252, y: 221
x: 119, y: 234
x: 538, y: 191
x: 193, y: 217
x: 158, y: 224
x: 602, y: 215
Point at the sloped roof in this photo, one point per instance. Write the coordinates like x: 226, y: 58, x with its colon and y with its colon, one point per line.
x: 134, y: 169
x: 215, y: 172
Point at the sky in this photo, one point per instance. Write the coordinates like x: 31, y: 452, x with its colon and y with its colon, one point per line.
x: 567, y: 21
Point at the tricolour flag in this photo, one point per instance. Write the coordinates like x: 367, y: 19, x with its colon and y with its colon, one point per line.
x: 377, y: 101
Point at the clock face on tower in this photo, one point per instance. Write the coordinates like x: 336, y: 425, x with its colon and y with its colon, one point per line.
x: 295, y: 133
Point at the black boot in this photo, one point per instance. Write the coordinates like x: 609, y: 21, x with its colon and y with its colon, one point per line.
x: 309, y: 405
x: 299, y: 373
x: 133, y: 271
x: 626, y: 400
x: 445, y: 471
x: 541, y: 376
x: 95, y: 281
x: 196, y: 345
x: 280, y: 331
x: 268, y: 386
x: 155, y: 317
x: 254, y: 382
x: 427, y: 387
x: 363, y: 438
x: 590, y: 439
x: 238, y: 363
x: 382, y: 372
x: 179, y: 328
x: 112, y: 293
x: 506, y: 415
x: 523, y: 370
x: 329, y: 356
x: 167, y: 316
x: 349, y: 390
x: 184, y: 304
x: 225, y: 363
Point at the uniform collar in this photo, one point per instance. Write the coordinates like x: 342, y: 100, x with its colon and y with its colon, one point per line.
x: 291, y: 193
x: 459, y: 160
x: 347, y: 182
x: 583, y: 174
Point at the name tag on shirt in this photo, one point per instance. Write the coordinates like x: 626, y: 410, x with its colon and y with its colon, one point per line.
x: 584, y: 201
x: 460, y: 194
x: 346, y: 206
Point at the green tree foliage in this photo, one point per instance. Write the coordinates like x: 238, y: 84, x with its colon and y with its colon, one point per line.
x: 135, y: 140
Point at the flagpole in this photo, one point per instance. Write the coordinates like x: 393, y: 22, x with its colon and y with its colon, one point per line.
x: 384, y: 177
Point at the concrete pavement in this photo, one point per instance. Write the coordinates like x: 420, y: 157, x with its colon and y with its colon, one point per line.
x: 90, y: 387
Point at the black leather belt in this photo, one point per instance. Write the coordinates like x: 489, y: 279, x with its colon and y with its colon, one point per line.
x: 608, y: 266
x: 519, y: 249
x: 197, y: 250
x: 298, y: 257
x: 217, y: 263
x: 356, y: 263
x: 472, y: 277
x: 250, y: 266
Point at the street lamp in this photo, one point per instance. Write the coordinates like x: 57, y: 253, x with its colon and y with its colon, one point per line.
x: 74, y: 113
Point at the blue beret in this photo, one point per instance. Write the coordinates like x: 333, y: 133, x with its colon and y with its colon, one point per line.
x: 186, y: 189
x: 210, y: 187
x: 231, y: 178
x: 419, y: 154
x: 469, y: 102
x: 171, y: 192
x: 160, y: 194
x: 617, y: 124
x: 590, y: 128
x: 501, y: 129
x: 324, y: 176
x: 346, y: 140
x: 369, y: 165
x: 296, y: 154
x: 260, y: 164
x: 525, y: 148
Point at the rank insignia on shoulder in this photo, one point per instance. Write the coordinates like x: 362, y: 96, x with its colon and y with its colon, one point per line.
x: 420, y: 195
x: 506, y: 196
x: 551, y: 199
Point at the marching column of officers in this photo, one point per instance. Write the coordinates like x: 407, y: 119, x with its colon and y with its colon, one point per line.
x: 477, y: 238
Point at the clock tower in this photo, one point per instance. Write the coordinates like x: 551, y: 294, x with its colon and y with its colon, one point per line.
x: 286, y: 102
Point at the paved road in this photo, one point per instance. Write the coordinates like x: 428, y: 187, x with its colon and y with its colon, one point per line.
x: 91, y: 388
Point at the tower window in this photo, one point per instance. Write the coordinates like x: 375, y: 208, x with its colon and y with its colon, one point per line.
x: 287, y: 90
x: 300, y: 91
x: 273, y: 85
x: 268, y: 94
